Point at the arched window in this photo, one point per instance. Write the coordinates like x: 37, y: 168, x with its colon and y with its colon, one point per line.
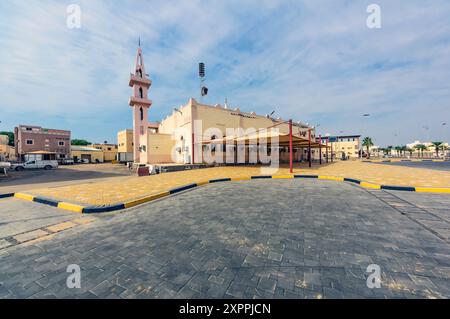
x: 140, y: 72
x: 142, y: 114
x: 141, y: 93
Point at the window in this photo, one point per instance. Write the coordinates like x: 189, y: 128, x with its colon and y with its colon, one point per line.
x: 30, y: 142
x: 29, y: 129
x: 142, y: 113
x: 109, y: 148
x: 141, y: 93
x: 61, y: 143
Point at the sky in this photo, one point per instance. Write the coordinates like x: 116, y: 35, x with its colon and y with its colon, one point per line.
x: 315, y: 61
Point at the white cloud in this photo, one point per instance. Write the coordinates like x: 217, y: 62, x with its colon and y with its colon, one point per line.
x: 312, y: 60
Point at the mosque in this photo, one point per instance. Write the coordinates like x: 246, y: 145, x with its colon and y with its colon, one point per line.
x: 189, y: 131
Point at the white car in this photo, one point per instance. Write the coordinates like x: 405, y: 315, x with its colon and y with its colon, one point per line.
x: 35, y: 165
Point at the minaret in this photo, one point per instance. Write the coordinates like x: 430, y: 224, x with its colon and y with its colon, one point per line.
x: 140, y: 83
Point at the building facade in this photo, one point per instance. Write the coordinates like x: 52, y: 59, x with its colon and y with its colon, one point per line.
x: 109, y: 151
x: 86, y: 154
x: 7, y: 152
x: 343, y: 146
x: 31, y: 139
x: 181, y: 136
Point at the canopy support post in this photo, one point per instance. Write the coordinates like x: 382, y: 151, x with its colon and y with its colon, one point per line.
x: 327, y: 149
x: 320, y: 149
x: 309, y: 147
x: 291, y: 168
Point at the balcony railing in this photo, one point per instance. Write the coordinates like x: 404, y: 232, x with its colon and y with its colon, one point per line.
x: 137, y: 79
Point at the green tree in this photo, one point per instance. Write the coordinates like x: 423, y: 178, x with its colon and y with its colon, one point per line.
x: 80, y: 142
x: 437, y: 146
x: 368, y: 143
x: 11, y: 137
x: 420, y: 148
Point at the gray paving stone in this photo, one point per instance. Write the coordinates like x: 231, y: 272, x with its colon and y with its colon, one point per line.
x: 275, y: 239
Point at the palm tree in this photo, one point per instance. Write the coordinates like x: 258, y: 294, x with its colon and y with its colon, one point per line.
x: 367, y: 142
x: 437, y: 146
x: 389, y: 149
x: 420, y: 148
x: 410, y: 150
x: 398, y: 149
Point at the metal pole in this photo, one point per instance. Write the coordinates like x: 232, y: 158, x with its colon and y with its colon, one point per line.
x: 291, y: 166
x: 193, y: 149
x: 320, y: 149
x: 309, y: 147
x: 331, y: 152
x: 327, y: 149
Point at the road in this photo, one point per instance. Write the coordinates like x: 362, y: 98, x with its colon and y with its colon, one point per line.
x: 64, y: 175
x: 439, y: 166
x: 265, y: 239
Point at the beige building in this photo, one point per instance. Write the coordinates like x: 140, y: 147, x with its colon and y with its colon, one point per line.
x: 195, y: 128
x: 87, y: 154
x: 109, y: 151
x: 7, y: 152
x: 347, y: 146
x: 125, y: 141
x: 181, y: 136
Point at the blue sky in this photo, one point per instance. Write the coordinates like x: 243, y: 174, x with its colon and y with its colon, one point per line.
x: 313, y: 60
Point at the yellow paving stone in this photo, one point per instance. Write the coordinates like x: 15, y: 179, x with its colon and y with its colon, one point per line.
x: 38, y: 240
x: 84, y: 220
x: 132, y: 188
x: 30, y: 235
x: 60, y: 227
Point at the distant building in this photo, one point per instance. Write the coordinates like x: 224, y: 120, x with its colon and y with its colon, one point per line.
x: 430, y: 150
x: 109, y: 151
x: 86, y: 153
x: 125, y: 146
x: 35, y: 139
x: 7, y: 152
x: 343, y: 145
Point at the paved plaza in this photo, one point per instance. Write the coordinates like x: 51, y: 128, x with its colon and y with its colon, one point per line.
x: 126, y: 188
x: 249, y: 239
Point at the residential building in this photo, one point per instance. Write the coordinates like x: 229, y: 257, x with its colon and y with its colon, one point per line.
x: 109, y: 151
x: 7, y: 152
x: 343, y: 146
x: 85, y: 153
x: 32, y: 139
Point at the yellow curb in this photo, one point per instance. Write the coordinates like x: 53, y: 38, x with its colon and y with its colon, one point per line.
x: 71, y: 207
x: 282, y: 176
x: 237, y: 179
x: 370, y: 185
x: 60, y: 227
x: 24, y: 196
x: 432, y: 190
x: 202, y: 183
x: 145, y: 200
x: 332, y: 178
x: 31, y: 235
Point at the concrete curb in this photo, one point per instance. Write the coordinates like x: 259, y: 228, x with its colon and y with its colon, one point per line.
x: 120, y: 206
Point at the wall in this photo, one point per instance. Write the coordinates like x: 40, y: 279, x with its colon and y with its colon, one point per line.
x: 125, y: 141
x: 43, y: 140
x: 94, y: 155
x: 159, y: 148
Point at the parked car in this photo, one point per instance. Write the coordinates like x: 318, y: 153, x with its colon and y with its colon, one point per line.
x: 35, y: 165
x: 67, y: 161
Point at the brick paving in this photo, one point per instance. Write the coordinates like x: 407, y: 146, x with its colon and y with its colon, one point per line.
x: 122, y: 189
x: 254, y: 239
